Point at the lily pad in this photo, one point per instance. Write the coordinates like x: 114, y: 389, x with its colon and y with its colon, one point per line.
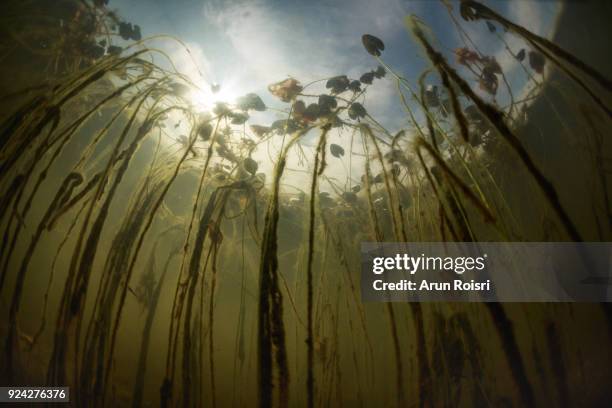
x: 380, y: 72
x: 537, y: 61
x: 312, y: 112
x: 355, y: 86
x: 372, y: 44
x: 238, y: 118
x: 338, y: 84
x: 327, y: 103
x: 251, y: 101
x: 259, y: 130
x: 367, y: 78
x: 356, y: 111
x: 204, y: 131
x: 336, y: 150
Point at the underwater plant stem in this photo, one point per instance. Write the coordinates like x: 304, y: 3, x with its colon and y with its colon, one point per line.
x: 309, y: 297
x: 496, y: 119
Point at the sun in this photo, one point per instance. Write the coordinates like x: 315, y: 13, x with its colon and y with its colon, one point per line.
x: 205, y: 98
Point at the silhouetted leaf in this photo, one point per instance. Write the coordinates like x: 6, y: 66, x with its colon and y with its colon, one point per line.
x: 491, y: 27
x: 367, y: 78
x: 285, y: 126
x: 238, y: 118
x: 259, y: 130
x: 251, y: 101
x: 337, y: 84
x: 336, y: 150
x: 355, y: 86
x: 205, y: 130
x: 380, y: 72
x: 356, y: 111
x: 466, y: 57
x: 136, y: 35
x: 298, y: 109
x: 536, y: 61
x: 312, y: 112
x: 349, y: 197
x: 114, y: 50
x: 327, y: 103
x: 373, y: 45
x: 125, y: 30
x: 129, y: 32
x: 521, y: 55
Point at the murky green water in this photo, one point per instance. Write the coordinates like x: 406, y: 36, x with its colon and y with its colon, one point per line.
x: 158, y: 252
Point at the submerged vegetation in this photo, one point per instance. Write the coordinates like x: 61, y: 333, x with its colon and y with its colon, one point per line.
x: 147, y: 259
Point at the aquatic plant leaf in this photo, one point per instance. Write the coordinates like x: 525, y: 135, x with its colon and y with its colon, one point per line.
x: 311, y: 113
x: 466, y: 57
x: 521, y: 55
x: 238, y: 118
x: 298, y: 109
x: 380, y: 72
x: 491, y: 64
x: 114, y: 50
x: 356, y: 111
x: 379, y: 178
x: 259, y: 130
x: 250, y: 165
x: 125, y: 30
x: 251, y: 101
x: 356, y: 188
x: 94, y: 51
x: 285, y: 126
x: 491, y: 27
x: 336, y: 150
x: 286, y: 90
x: 338, y: 84
x: 488, y: 78
x: 204, y: 131
x: 355, y: 86
x: 327, y: 103
x: 536, y: 61
x: 394, y: 155
x: 367, y: 78
x: 372, y: 44
x: 136, y: 35
x: 349, y: 197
